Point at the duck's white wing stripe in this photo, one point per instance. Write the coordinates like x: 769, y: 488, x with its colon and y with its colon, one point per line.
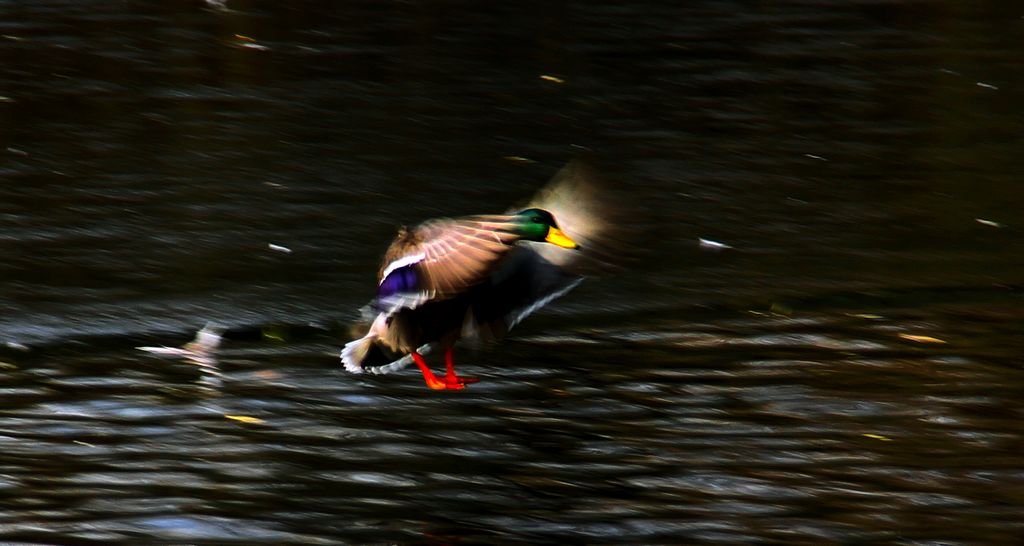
x: 519, y: 314
x: 401, y: 262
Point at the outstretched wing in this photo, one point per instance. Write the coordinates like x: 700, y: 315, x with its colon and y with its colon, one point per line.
x: 524, y: 282
x: 461, y: 253
x: 442, y: 258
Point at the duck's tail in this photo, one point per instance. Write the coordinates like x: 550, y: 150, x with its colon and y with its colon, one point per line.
x: 355, y: 352
x: 368, y: 355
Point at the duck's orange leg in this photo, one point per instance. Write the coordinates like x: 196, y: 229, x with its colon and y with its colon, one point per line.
x: 449, y: 377
x: 450, y: 381
x: 428, y: 376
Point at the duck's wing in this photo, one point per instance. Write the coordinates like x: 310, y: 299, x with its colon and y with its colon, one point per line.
x: 441, y: 259
x: 524, y: 282
x: 462, y: 253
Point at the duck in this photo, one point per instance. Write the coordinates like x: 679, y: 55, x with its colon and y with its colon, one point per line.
x: 474, y: 277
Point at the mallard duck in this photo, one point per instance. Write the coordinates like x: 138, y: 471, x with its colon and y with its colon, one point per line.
x: 472, y: 277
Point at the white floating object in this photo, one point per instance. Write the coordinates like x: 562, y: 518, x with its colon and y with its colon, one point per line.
x: 165, y: 351
x: 207, y: 339
x: 818, y: 157
x: 986, y: 85
x: 279, y: 248
x: 200, y: 351
x: 17, y: 346
x: 990, y: 223
x: 708, y: 244
x: 206, y: 342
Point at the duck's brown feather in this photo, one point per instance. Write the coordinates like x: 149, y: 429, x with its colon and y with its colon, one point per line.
x: 456, y: 253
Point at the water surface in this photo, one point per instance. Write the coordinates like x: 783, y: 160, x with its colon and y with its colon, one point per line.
x: 849, y: 372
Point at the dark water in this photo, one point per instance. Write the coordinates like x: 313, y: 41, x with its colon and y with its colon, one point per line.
x: 851, y: 373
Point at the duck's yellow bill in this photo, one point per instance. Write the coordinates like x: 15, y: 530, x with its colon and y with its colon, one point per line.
x: 557, y: 238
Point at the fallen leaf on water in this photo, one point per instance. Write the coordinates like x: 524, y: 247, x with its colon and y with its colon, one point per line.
x: 867, y: 316
x: 554, y: 79
x: 275, y: 333
x: 244, y: 418
x: 921, y: 339
x: 249, y: 42
x: 877, y: 437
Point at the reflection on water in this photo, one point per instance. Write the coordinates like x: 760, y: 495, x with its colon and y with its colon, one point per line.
x: 848, y: 371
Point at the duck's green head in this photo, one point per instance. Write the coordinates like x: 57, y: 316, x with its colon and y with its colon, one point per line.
x: 539, y: 225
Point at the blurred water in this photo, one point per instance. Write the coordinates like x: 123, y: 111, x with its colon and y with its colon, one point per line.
x: 849, y: 373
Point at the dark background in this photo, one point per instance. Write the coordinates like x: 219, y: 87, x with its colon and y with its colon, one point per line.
x: 151, y: 151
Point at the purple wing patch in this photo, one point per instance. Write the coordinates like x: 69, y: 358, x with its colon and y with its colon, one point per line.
x: 402, y: 279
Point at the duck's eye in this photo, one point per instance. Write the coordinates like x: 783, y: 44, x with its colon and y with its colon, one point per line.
x: 537, y: 220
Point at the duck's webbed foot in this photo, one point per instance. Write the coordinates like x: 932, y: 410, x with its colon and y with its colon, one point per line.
x: 450, y: 377
x: 450, y: 381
